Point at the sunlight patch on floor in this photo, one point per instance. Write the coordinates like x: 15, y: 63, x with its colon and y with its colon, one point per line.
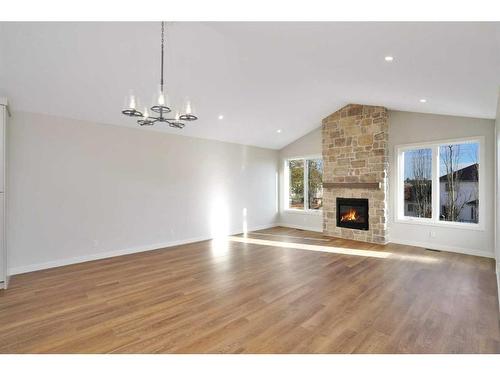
x: 301, y: 246
x: 336, y: 250
x: 288, y: 236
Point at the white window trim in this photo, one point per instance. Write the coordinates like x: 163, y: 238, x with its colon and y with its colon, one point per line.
x: 434, y: 221
x: 286, y: 186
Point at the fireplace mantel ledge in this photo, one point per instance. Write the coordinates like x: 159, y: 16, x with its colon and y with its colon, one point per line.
x: 352, y: 185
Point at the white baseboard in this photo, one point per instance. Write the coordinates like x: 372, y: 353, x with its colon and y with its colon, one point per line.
x: 303, y: 227
x: 100, y: 255
x: 114, y: 253
x: 451, y: 249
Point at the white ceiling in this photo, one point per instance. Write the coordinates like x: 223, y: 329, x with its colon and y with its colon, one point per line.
x: 261, y: 76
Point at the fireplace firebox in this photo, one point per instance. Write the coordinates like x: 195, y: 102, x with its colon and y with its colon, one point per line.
x: 352, y: 213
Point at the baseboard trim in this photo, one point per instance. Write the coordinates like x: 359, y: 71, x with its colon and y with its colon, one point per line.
x: 115, y: 253
x: 451, y: 249
x: 97, y: 256
x: 311, y: 229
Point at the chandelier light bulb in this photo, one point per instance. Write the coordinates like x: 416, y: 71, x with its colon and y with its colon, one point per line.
x: 176, y: 116
x: 145, y: 113
x: 132, y: 104
x: 161, y: 99
x: 188, y: 108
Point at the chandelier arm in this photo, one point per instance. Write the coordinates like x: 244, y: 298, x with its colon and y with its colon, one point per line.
x: 177, y: 125
x: 151, y: 120
x: 132, y: 113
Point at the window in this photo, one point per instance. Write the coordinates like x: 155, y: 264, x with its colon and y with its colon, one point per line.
x: 296, y: 195
x: 439, y: 183
x: 315, y: 183
x: 459, y: 182
x: 304, y: 184
x: 418, y: 182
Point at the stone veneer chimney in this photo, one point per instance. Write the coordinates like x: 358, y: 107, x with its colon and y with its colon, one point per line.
x: 355, y: 157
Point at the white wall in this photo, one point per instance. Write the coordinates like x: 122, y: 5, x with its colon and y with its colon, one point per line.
x: 497, y: 196
x: 309, y: 144
x: 408, y: 127
x: 81, y: 191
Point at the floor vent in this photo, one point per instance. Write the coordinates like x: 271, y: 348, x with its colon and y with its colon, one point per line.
x: 437, y: 251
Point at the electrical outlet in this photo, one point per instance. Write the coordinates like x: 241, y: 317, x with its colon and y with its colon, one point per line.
x: 432, y: 234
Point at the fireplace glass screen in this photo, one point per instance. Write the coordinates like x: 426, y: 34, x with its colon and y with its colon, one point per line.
x: 352, y: 213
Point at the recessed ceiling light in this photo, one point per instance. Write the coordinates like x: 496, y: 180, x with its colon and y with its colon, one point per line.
x: 278, y: 131
x: 389, y: 58
x: 423, y: 100
x: 221, y: 117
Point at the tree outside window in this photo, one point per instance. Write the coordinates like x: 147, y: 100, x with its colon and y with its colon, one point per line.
x: 459, y: 182
x: 418, y: 183
x: 296, y: 185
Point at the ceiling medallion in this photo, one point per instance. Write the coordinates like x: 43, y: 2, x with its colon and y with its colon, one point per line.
x: 160, y: 105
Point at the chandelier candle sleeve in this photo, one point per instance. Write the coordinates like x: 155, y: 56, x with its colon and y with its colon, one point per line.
x: 131, y: 106
x: 160, y: 102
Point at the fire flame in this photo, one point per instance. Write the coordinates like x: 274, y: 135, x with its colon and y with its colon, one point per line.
x: 351, y: 215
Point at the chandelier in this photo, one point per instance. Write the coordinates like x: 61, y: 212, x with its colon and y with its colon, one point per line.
x: 160, y: 106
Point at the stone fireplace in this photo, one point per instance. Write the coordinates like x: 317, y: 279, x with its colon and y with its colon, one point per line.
x: 355, y: 162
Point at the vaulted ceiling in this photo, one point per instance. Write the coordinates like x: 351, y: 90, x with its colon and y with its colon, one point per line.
x: 262, y: 77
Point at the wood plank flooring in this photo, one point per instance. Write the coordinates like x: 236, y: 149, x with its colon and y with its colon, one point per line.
x: 276, y: 291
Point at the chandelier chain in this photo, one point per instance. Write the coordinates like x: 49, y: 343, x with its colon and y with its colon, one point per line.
x: 162, y: 48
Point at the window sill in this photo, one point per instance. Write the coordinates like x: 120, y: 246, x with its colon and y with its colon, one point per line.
x: 303, y: 212
x: 442, y: 224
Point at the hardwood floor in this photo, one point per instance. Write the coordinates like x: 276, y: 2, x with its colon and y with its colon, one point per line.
x: 277, y: 291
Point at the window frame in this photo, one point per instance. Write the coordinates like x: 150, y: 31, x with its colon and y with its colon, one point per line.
x: 434, y: 220
x: 286, y: 192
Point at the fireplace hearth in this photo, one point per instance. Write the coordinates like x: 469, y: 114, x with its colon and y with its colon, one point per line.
x: 352, y: 213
